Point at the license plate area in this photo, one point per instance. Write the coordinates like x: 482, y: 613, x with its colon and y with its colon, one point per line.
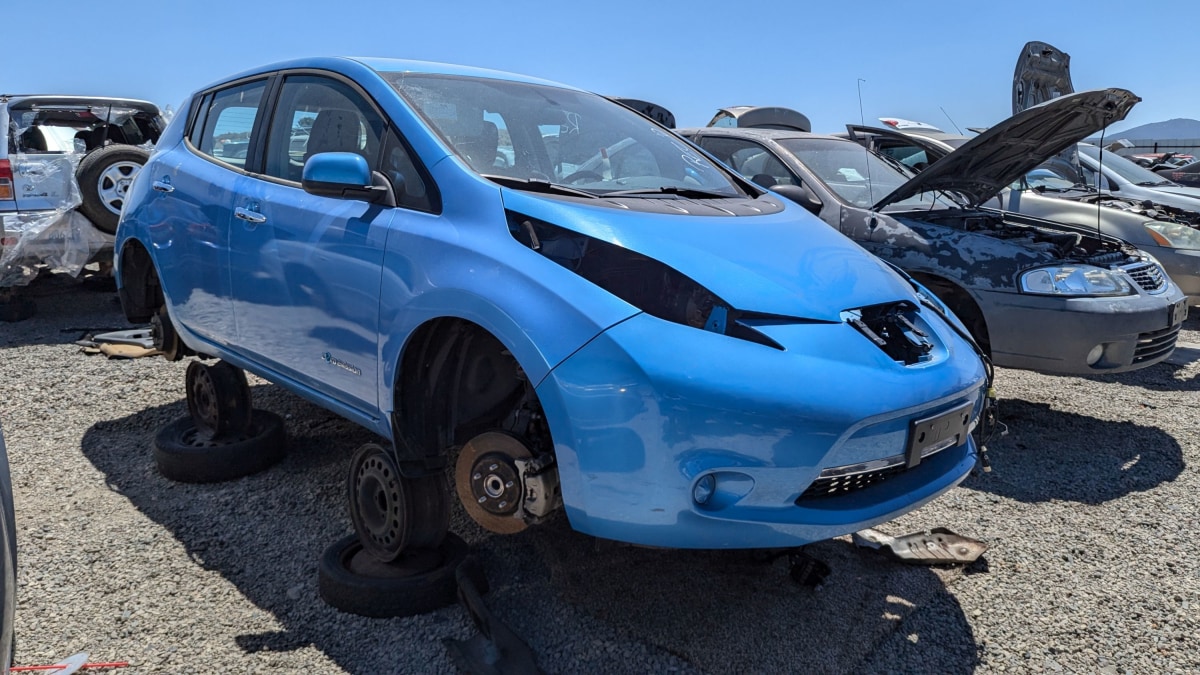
x: 934, y: 434
x: 1177, y: 313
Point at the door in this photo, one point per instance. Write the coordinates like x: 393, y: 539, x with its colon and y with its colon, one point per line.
x: 43, y: 173
x: 306, y: 270
x: 194, y: 194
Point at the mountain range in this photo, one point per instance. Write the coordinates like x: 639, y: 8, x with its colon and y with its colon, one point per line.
x: 1178, y: 128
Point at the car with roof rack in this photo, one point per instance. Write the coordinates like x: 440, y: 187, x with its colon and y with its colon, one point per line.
x: 66, y: 163
x: 1038, y: 294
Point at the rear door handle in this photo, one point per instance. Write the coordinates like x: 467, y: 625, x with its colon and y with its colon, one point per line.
x: 163, y: 185
x: 252, y: 217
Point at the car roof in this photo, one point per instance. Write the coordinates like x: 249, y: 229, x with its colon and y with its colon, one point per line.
x: 389, y: 65
x: 766, y: 134
x: 53, y: 100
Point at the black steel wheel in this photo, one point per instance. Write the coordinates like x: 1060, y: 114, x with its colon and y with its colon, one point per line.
x: 352, y: 580
x: 186, y: 454
x: 391, y: 512
x: 218, y: 398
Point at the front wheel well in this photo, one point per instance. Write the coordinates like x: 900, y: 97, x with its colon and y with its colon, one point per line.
x: 456, y: 380
x: 961, y: 303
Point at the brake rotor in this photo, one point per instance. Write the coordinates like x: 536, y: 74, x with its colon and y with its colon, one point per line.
x: 489, y: 483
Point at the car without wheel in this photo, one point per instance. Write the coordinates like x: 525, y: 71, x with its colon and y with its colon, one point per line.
x: 1056, y: 191
x: 59, y: 152
x: 667, y: 353
x: 1039, y: 295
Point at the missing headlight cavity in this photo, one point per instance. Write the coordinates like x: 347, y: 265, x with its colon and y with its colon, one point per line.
x: 653, y: 287
x: 892, y: 328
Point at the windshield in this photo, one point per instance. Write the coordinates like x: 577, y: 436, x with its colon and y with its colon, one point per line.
x: 518, y: 132
x: 845, y: 166
x: 1130, y: 171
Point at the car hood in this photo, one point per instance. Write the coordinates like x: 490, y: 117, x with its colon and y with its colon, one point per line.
x: 993, y: 160
x: 788, y: 263
x: 1179, y: 190
x: 1043, y: 72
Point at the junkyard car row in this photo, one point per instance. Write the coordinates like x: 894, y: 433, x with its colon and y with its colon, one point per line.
x: 745, y: 335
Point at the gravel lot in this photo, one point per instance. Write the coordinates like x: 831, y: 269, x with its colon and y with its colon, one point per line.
x: 1091, y: 514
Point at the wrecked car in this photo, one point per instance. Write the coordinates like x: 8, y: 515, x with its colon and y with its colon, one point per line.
x: 627, y: 342
x: 1011, y: 278
x: 66, y: 163
x: 1054, y: 191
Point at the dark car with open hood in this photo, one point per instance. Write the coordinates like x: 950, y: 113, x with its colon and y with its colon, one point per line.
x: 1038, y: 294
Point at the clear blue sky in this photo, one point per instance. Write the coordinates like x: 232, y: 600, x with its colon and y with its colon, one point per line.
x: 916, y: 57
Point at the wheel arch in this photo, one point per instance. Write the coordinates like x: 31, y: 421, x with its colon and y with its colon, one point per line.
x: 961, y: 302
x: 455, y: 377
x: 138, y: 283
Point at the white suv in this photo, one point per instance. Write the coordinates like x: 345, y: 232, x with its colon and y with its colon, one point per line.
x: 65, y: 165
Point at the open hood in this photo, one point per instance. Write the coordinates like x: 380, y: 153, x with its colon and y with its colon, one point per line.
x: 1043, y: 72
x: 994, y: 159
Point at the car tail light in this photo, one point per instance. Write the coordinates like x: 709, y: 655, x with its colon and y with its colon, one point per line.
x: 6, y: 179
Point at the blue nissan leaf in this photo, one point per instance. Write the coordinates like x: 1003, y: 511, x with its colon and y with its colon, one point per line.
x: 540, y: 300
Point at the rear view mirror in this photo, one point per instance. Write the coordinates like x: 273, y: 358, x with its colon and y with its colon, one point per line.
x: 800, y: 195
x: 343, y: 175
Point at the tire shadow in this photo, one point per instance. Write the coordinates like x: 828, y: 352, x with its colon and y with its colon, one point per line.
x: 582, y: 605
x: 1050, y: 454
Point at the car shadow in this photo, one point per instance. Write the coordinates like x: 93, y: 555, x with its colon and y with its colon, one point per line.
x: 1050, y: 454
x: 575, y: 600
x: 90, y: 301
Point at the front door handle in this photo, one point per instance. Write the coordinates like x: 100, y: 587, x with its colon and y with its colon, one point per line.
x: 252, y: 217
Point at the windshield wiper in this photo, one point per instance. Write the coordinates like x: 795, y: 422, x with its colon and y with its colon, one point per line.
x: 1152, y: 183
x: 536, y: 185
x: 689, y: 193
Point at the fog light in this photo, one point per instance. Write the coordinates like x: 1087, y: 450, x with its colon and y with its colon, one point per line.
x: 704, y: 488
x: 1094, y: 355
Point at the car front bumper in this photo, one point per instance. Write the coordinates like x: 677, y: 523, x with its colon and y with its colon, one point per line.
x: 648, y: 408
x: 1054, y: 335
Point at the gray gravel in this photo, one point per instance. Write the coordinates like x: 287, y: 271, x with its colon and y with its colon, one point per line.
x: 1090, y: 514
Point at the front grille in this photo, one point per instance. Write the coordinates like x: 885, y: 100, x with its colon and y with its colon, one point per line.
x: 1147, y: 275
x: 1155, y: 344
x: 833, y: 486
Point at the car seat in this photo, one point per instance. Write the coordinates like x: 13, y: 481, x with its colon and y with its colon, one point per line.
x: 335, y: 130
x: 480, y: 149
x: 33, y: 140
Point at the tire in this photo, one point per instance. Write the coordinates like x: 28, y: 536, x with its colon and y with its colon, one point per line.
x: 184, y: 454
x: 104, y: 176
x: 354, y: 581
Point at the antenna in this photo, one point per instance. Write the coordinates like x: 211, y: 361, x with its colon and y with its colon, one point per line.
x: 862, y: 119
x: 960, y: 133
x: 1100, y: 174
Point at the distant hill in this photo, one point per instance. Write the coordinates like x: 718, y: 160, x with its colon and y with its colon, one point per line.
x: 1181, y: 127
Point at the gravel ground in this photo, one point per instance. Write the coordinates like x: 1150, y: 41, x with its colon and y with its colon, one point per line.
x: 1090, y: 514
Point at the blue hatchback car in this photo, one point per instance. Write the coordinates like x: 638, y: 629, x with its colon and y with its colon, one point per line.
x: 551, y: 299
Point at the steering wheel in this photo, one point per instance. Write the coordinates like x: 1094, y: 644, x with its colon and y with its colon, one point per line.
x: 578, y: 176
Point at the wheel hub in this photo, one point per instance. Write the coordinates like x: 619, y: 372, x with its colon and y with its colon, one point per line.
x: 489, y: 483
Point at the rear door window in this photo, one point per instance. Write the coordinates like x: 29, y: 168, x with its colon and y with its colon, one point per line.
x: 228, y: 122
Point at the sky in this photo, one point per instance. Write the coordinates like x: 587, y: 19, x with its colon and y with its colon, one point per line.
x: 928, y: 61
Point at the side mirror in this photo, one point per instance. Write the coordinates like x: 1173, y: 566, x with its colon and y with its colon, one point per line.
x: 342, y: 175
x: 800, y: 195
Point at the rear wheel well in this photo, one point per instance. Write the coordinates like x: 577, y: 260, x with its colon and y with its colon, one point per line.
x: 961, y: 303
x: 455, y: 380
x: 141, y: 291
